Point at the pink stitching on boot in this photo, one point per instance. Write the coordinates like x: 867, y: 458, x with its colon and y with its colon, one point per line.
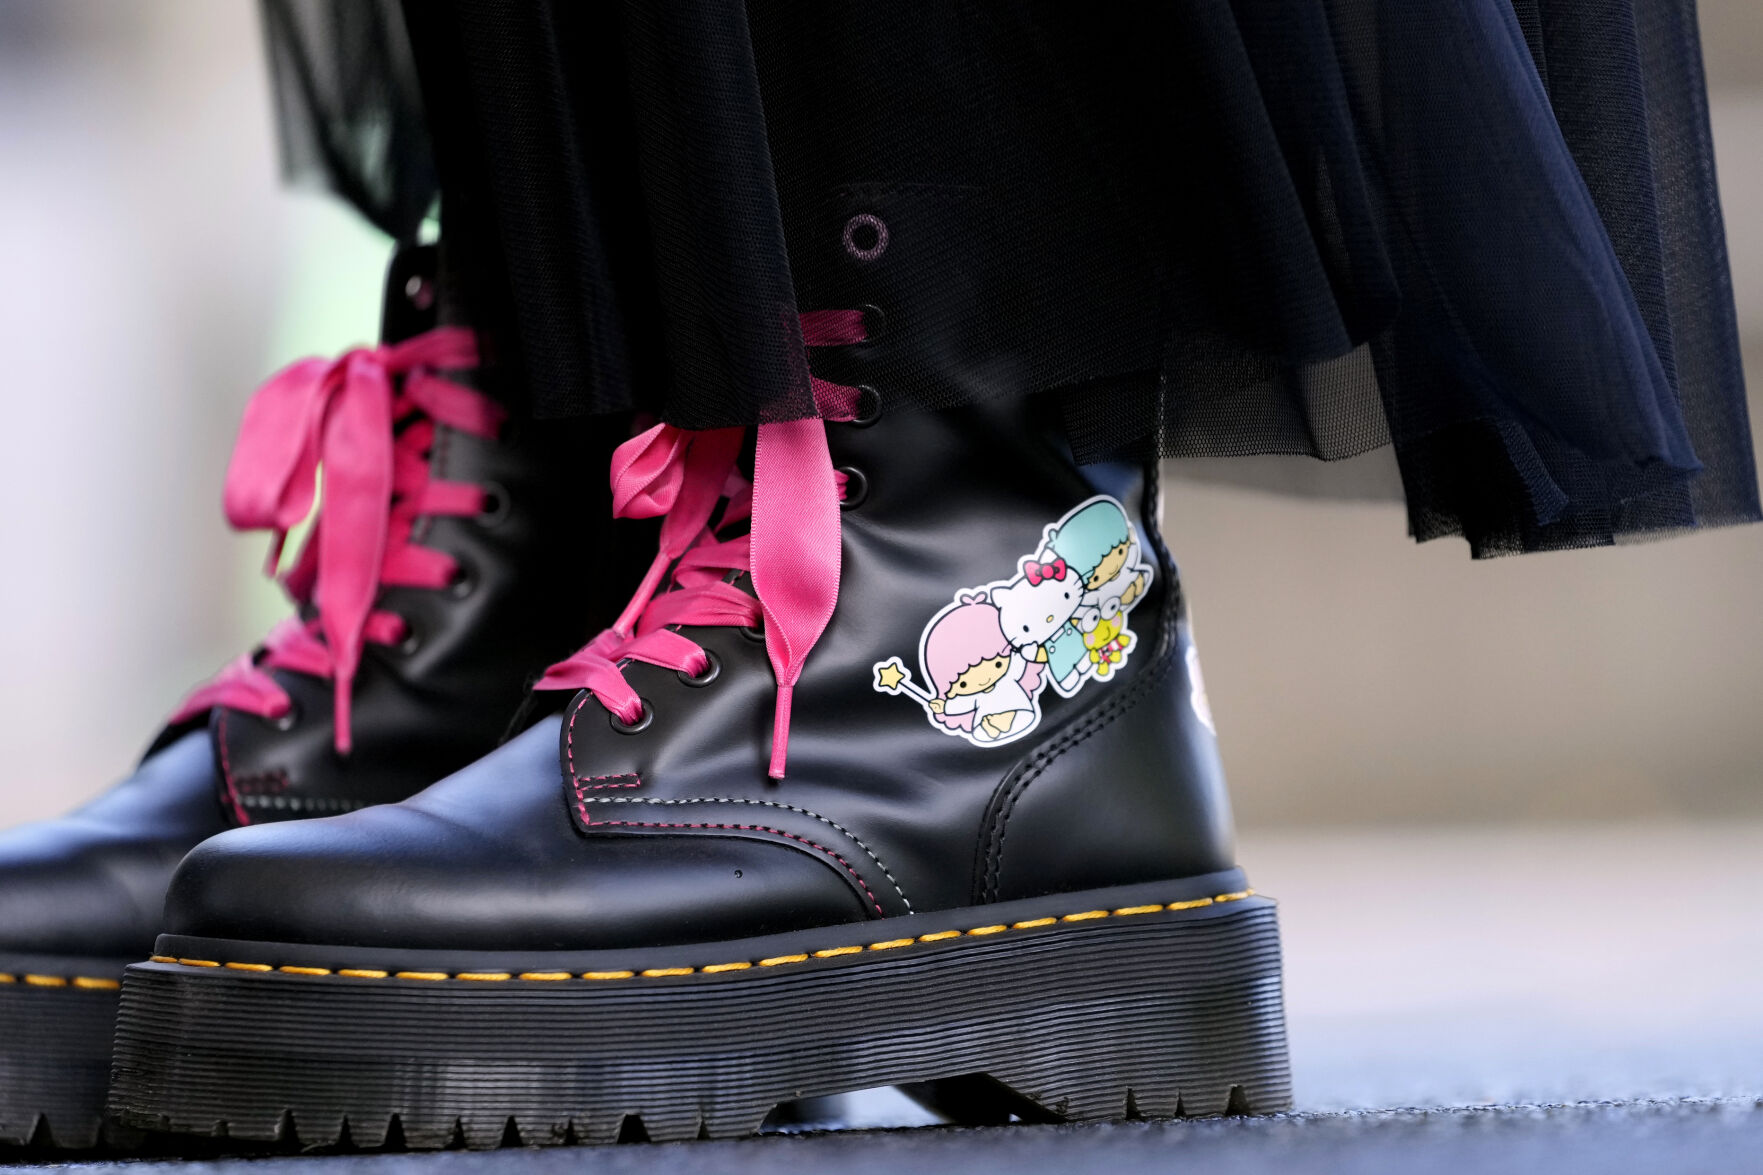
x: 569, y: 751
x: 581, y: 807
x: 226, y: 773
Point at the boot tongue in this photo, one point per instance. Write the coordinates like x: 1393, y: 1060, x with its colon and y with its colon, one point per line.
x: 791, y: 550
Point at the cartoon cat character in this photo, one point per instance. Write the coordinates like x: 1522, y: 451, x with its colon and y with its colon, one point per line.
x: 1036, y: 610
x: 1099, y: 543
x: 1062, y: 619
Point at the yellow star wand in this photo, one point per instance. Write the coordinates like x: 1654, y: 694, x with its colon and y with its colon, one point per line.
x: 892, y: 677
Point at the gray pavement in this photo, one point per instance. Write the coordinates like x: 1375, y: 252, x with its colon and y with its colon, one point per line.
x: 1688, y: 1137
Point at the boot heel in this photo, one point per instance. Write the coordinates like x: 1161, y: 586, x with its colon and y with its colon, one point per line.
x: 1186, y: 1020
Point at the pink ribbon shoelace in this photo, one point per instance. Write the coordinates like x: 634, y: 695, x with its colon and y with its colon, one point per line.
x: 791, y: 550
x: 368, y: 419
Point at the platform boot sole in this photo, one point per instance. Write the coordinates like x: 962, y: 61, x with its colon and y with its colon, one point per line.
x: 1143, y: 1001
x: 57, y: 1020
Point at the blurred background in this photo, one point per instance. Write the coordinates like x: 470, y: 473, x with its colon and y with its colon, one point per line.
x: 1500, y: 729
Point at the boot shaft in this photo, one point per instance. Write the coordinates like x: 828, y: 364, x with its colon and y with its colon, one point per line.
x: 1070, y: 755
x: 524, y: 590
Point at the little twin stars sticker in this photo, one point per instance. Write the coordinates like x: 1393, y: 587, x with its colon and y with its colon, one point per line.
x: 1061, y: 621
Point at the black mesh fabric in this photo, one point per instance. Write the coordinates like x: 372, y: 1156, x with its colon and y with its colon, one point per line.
x: 348, y: 107
x: 1485, y: 232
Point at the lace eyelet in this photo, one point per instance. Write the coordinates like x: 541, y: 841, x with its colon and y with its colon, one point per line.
x: 869, y: 407
x: 496, y: 506
x: 865, y: 237
x: 420, y: 291
x: 875, y: 322
x: 642, y: 723
x: 412, y: 639
x: 289, y: 720
x: 856, y: 487
x: 754, y: 633
x: 463, y: 581
x: 712, y: 670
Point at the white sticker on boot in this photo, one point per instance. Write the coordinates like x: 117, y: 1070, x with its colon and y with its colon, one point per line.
x: 1197, y: 691
x: 1061, y: 621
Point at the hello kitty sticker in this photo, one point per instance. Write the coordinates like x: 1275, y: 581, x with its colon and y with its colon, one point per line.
x: 1062, y: 621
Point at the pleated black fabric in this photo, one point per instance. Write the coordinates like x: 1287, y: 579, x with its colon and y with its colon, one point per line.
x: 1483, y: 231
x: 349, y: 109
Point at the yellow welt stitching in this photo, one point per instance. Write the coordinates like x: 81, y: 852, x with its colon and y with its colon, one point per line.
x: 45, y: 981
x: 161, y: 959
x: 655, y: 972
x: 4, y: 978
x: 91, y: 983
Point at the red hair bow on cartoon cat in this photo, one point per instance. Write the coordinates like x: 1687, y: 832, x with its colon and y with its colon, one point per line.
x: 1036, y: 572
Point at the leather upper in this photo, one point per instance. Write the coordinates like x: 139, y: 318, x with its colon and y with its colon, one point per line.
x: 485, y: 859
x: 578, y: 836
x: 582, y: 835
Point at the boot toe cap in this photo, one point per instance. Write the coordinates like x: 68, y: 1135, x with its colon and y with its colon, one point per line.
x: 92, y: 883
x: 306, y: 881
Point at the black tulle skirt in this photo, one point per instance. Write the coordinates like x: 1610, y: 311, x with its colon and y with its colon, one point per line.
x: 1485, y: 232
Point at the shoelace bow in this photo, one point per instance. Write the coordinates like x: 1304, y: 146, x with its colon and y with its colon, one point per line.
x: 791, y: 551
x: 368, y: 419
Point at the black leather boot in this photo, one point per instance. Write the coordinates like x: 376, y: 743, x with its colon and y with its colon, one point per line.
x: 983, y: 836
x: 469, y: 573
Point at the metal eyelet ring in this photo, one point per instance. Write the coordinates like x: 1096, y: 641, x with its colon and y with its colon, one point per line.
x: 869, y: 408
x: 289, y: 720
x: 496, y: 505
x: 865, y: 237
x: 712, y: 670
x: 875, y: 322
x: 754, y: 633
x: 642, y: 723
x: 412, y: 639
x: 463, y: 581
x: 856, y: 487
x: 420, y: 291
